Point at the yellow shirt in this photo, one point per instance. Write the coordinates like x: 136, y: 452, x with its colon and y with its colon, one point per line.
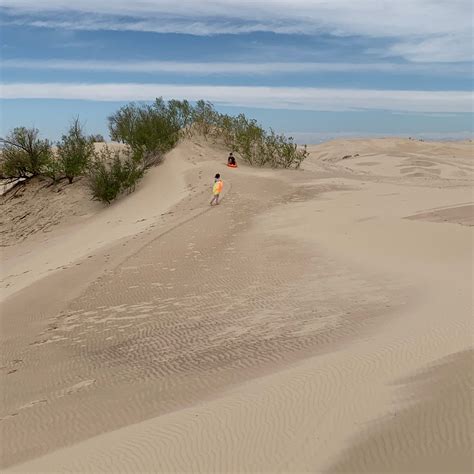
x: 217, y: 188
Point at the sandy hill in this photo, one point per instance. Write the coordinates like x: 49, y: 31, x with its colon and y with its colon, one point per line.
x: 398, y: 158
x: 317, y: 320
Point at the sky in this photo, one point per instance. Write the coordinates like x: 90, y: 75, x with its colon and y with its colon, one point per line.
x: 313, y: 69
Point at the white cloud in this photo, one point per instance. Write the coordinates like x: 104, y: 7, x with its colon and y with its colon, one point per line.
x: 230, y: 68
x: 436, y: 29
x: 305, y: 98
x: 439, y: 49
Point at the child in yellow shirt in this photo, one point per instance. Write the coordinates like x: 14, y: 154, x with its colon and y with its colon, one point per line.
x: 216, y: 189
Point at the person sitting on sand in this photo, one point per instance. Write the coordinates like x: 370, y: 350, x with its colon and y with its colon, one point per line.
x: 217, y: 189
x: 231, y: 160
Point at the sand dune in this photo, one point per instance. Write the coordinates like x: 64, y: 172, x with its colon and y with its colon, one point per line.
x: 413, y: 160
x: 317, y: 320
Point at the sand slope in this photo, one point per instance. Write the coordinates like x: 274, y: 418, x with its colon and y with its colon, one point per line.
x: 76, y: 226
x: 302, y: 325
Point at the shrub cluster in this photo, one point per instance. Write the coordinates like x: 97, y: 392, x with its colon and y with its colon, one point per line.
x: 248, y: 138
x: 152, y: 130
x: 25, y: 155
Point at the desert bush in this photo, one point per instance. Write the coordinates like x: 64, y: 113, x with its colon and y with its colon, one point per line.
x: 110, y: 174
x: 248, y: 139
x: 74, y: 151
x: 181, y: 113
x: 24, y: 154
x: 282, y: 152
x: 102, y: 184
x: 149, y: 130
x: 205, y: 118
x: 261, y: 148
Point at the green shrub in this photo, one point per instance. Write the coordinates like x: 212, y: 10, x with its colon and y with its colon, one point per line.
x: 149, y: 130
x: 248, y: 139
x: 205, y: 118
x: 282, y: 152
x: 102, y: 184
x: 181, y: 113
x: 24, y: 154
x: 111, y: 174
x: 74, y: 151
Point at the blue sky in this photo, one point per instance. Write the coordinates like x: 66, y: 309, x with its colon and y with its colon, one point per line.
x: 313, y: 69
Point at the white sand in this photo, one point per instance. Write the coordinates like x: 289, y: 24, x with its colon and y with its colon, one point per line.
x: 315, y: 321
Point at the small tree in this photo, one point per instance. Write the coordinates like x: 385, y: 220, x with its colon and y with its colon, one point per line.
x: 75, y: 151
x: 23, y: 153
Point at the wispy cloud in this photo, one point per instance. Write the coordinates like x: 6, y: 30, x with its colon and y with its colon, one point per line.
x: 305, y: 98
x: 421, y: 30
x: 232, y: 68
x: 450, y: 48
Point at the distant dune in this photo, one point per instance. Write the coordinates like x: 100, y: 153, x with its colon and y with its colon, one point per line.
x: 399, y: 158
x: 316, y: 320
